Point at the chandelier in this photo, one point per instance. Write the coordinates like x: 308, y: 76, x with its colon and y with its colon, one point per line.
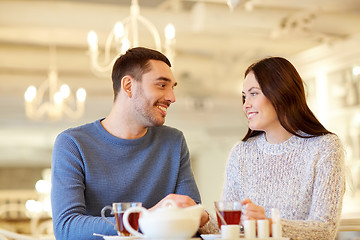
x: 53, y: 98
x: 125, y: 35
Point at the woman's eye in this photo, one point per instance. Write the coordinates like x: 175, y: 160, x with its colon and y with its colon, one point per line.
x: 253, y: 93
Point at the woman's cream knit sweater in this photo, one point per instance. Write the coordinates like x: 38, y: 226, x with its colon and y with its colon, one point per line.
x: 302, y: 177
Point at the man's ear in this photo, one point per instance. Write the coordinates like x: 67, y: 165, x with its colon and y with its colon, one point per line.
x: 126, y: 84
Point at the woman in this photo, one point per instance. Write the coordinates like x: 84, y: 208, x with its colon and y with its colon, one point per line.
x: 287, y: 160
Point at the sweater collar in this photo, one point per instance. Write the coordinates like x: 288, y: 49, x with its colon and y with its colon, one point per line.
x: 279, y: 148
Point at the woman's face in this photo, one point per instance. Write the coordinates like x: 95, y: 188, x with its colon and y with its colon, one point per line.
x: 259, y: 111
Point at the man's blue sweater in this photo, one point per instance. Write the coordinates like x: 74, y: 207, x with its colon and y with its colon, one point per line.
x: 92, y: 168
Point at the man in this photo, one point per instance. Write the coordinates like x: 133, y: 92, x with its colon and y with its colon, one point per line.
x: 127, y: 156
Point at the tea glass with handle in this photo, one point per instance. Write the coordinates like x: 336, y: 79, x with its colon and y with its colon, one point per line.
x: 228, y: 212
x: 117, y: 209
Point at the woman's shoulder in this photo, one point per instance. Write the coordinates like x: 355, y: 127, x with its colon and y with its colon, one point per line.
x: 329, y: 139
x: 328, y: 145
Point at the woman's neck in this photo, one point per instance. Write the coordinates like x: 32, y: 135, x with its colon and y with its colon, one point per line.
x: 276, y: 136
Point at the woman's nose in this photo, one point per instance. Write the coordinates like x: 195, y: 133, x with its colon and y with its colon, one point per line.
x: 246, y: 104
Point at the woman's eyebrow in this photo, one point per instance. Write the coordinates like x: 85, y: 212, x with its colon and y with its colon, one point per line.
x: 252, y: 88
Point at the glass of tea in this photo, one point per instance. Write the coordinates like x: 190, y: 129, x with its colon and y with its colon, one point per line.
x: 228, y: 213
x: 118, y: 209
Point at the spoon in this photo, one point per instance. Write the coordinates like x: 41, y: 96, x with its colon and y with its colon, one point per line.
x: 220, y: 216
x: 99, y: 235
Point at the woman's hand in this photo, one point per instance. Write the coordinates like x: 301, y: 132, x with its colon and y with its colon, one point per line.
x: 254, y: 212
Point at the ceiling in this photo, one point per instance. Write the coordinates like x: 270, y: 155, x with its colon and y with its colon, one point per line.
x: 214, y: 45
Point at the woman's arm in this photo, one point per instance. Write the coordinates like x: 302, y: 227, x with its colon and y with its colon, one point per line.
x: 327, y: 197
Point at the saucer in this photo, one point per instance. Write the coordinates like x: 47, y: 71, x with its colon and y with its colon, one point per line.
x: 116, y: 237
x: 210, y: 236
x: 120, y: 237
x: 171, y: 239
x: 216, y: 236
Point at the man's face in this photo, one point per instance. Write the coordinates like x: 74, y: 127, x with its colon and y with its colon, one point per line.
x: 154, y: 94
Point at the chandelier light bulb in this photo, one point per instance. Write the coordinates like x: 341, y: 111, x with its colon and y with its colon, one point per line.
x: 92, y: 41
x: 356, y: 70
x: 119, y: 30
x: 33, y: 206
x: 43, y: 186
x: 30, y: 94
x: 169, y: 31
x: 58, y: 98
x: 125, y: 45
x: 65, y: 91
x: 81, y: 95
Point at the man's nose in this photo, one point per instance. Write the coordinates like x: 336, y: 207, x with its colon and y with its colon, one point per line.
x: 170, y: 96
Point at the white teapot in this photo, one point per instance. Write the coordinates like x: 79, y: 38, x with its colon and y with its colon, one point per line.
x: 167, y: 222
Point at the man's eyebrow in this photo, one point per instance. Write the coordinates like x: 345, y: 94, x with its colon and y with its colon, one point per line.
x: 166, y: 79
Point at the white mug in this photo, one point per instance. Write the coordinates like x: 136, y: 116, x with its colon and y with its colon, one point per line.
x: 230, y: 231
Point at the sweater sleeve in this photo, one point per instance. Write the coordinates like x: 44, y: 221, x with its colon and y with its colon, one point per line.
x: 67, y: 194
x: 329, y: 188
x: 211, y: 227
x: 186, y: 184
x: 232, y: 178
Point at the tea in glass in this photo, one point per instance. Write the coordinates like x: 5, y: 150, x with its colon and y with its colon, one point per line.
x: 118, y: 210
x: 230, y: 212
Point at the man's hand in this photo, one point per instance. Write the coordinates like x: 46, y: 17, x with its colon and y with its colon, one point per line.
x: 183, y: 201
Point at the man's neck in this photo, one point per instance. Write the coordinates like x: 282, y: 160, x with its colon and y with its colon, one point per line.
x: 121, y: 125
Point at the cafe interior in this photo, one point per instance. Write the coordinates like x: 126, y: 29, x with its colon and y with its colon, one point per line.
x: 55, y: 65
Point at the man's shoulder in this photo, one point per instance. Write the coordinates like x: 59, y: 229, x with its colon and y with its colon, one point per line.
x: 85, y: 129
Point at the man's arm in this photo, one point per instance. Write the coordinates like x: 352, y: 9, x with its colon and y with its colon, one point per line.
x: 67, y: 194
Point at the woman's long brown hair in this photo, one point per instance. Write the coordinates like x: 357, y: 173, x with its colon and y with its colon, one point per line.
x: 283, y: 87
